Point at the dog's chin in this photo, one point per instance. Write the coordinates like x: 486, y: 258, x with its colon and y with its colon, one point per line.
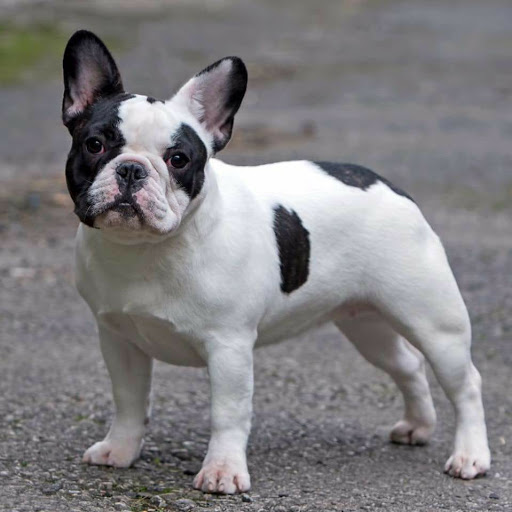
x: 127, y: 224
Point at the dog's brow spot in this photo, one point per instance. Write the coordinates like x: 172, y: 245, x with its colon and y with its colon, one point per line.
x: 152, y: 100
x: 293, y: 247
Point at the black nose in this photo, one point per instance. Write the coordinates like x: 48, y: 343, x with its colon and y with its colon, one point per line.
x: 131, y: 171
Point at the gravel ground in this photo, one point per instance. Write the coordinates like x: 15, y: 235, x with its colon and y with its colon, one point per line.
x: 419, y: 91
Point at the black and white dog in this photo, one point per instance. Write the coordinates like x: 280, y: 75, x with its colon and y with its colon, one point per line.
x: 192, y: 261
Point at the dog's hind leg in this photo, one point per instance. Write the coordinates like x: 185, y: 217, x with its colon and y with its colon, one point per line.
x: 417, y: 293
x: 383, y: 347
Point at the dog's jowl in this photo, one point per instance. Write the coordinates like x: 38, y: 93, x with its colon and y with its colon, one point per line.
x: 188, y: 260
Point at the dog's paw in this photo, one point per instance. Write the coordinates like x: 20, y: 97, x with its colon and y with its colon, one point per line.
x: 411, y: 432
x: 223, y: 477
x: 467, y: 465
x: 120, y: 454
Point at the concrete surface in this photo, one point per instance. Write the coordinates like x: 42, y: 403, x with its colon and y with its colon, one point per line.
x: 419, y: 91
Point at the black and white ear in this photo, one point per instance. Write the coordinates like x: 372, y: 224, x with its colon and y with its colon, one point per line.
x: 90, y: 73
x: 214, y: 96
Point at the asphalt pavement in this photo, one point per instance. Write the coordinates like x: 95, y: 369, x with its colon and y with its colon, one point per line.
x: 419, y: 91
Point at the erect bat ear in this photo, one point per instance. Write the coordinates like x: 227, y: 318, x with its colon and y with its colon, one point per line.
x: 214, y: 96
x: 90, y: 73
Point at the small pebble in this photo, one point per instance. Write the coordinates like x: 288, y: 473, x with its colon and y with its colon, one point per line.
x: 246, y: 498
x: 182, y: 454
x: 158, y: 501
x: 494, y: 496
x: 106, y: 486
x: 184, y: 504
x: 51, y: 489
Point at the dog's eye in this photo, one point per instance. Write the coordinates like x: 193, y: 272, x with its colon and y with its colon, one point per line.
x: 94, y: 146
x: 178, y: 160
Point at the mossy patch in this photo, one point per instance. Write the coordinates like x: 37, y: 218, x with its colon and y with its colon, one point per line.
x: 31, y: 51
x: 29, y: 48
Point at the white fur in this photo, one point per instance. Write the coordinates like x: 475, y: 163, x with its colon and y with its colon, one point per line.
x: 209, y: 290
x: 197, y: 282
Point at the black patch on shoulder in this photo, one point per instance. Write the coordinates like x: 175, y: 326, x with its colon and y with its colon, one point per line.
x: 358, y: 176
x: 191, y: 177
x: 99, y: 120
x: 152, y: 100
x: 294, y: 248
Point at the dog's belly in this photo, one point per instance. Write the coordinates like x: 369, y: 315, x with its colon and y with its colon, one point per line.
x: 296, y: 323
x: 160, y: 338
x: 156, y: 337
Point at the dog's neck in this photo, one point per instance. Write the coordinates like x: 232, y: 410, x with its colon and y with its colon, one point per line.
x: 203, y: 213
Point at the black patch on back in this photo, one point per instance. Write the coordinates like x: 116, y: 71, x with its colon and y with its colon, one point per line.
x: 294, y: 248
x: 357, y: 176
x: 152, y: 100
x: 99, y: 120
x: 190, y: 178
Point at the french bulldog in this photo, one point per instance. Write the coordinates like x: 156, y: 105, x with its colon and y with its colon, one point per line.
x: 189, y: 260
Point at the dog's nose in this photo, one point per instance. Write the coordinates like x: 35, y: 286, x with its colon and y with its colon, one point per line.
x: 131, y: 171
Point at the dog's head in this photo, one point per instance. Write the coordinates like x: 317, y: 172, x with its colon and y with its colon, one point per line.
x: 137, y: 165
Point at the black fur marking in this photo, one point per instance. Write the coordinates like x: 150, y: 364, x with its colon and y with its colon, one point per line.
x: 191, y: 177
x: 357, y: 176
x: 99, y: 120
x: 103, y: 80
x: 294, y: 248
x: 152, y: 100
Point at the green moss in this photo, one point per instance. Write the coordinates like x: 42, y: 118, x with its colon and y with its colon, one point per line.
x: 24, y: 48
x: 32, y: 51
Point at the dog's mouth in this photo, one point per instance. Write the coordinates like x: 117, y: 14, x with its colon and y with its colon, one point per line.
x: 126, y: 205
x: 127, y: 208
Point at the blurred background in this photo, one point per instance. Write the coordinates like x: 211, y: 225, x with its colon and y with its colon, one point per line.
x: 420, y: 91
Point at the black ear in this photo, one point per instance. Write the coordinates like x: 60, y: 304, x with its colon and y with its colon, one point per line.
x: 90, y: 73
x: 214, y: 96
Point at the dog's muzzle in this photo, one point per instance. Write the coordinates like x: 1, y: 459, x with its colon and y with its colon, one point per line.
x: 130, y: 177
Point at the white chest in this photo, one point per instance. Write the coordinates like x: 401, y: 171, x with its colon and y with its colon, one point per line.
x: 157, y: 337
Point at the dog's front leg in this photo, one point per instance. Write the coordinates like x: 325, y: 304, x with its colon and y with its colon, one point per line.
x: 231, y: 380
x: 130, y: 372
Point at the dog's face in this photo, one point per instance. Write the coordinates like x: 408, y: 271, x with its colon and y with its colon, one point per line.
x: 137, y: 165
